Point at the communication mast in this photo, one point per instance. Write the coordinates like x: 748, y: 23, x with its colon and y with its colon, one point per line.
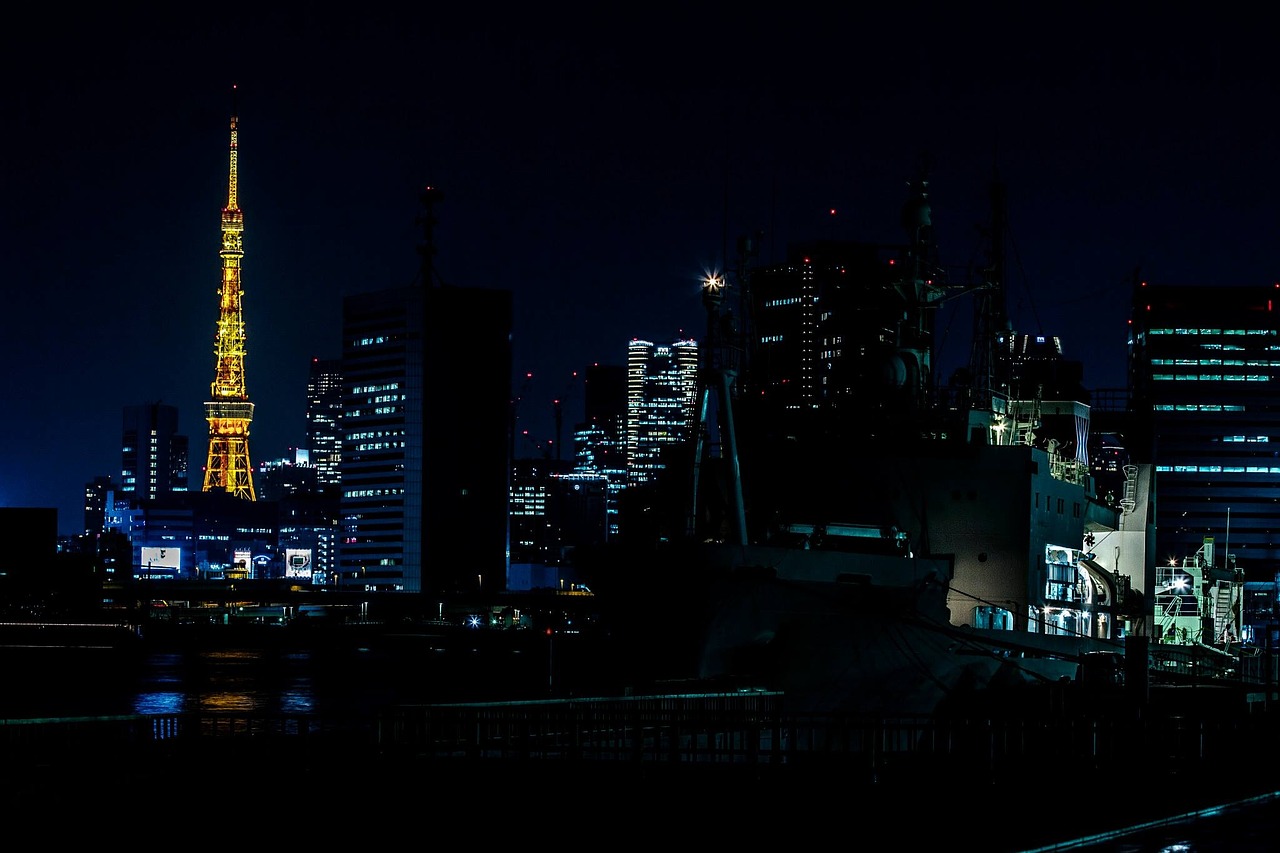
x: 229, y: 411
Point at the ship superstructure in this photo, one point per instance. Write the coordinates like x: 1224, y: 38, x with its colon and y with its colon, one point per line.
x: 861, y: 538
x: 229, y: 411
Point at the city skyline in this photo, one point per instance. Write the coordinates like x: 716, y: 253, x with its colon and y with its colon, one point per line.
x: 598, y: 170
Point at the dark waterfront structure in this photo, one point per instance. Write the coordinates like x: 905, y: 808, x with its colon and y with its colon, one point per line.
x: 1205, y: 372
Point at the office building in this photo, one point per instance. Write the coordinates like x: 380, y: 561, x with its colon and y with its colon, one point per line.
x: 381, y: 504
x: 535, y: 537
x: 288, y: 475
x: 199, y: 536
x: 308, y: 528
x: 427, y: 384
x: 426, y: 435
x: 96, y: 493
x: 153, y: 455
x: 599, y: 442
x: 662, y: 394
x: 1205, y: 397
x: 324, y: 416
x: 818, y: 345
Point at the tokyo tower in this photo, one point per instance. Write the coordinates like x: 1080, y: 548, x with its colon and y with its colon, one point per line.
x: 229, y: 411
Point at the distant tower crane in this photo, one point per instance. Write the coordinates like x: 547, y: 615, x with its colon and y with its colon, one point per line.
x: 557, y: 408
x: 229, y: 411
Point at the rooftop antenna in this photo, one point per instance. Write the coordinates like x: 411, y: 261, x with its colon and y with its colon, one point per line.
x: 430, y: 196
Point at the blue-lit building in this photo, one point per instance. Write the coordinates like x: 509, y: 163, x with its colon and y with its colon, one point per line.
x: 1205, y: 376
x: 599, y: 442
x: 199, y: 536
x: 153, y: 454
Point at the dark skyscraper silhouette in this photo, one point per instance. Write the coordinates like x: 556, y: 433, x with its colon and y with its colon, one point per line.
x: 425, y: 468
x: 467, y: 372
x: 153, y: 455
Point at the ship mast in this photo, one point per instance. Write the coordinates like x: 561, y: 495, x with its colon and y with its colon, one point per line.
x: 229, y: 411
x: 990, y: 311
x: 715, y: 412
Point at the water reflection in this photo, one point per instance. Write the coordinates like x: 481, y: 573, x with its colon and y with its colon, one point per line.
x: 326, y: 679
x: 227, y: 681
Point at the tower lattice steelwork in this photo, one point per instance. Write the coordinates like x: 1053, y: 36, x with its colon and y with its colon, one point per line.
x: 229, y: 412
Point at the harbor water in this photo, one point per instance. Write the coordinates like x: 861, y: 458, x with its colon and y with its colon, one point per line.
x: 355, y: 679
x: 327, y: 679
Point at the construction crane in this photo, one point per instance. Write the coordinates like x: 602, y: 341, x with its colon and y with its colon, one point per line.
x: 557, y: 408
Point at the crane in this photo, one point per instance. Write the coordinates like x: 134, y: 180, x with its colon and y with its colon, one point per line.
x: 557, y: 409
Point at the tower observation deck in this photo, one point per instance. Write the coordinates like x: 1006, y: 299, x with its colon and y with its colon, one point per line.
x: 229, y: 411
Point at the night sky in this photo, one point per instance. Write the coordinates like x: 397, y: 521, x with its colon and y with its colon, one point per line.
x: 595, y: 162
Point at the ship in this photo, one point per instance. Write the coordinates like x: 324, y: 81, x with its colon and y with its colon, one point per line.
x: 847, y: 529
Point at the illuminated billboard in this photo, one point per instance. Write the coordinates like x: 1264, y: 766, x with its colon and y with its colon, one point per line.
x: 297, y: 563
x: 241, y: 561
x: 157, y: 563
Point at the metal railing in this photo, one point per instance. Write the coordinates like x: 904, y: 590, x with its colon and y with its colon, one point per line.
x: 746, y: 731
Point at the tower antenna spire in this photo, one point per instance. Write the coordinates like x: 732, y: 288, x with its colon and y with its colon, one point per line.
x: 430, y: 197
x: 229, y: 411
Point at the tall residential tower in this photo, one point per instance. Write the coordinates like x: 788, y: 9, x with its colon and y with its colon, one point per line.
x: 229, y: 411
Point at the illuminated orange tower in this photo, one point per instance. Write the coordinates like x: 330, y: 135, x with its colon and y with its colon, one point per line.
x: 229, y: 412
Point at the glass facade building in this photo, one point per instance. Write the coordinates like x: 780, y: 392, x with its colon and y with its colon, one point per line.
x: 662, y: 396
x: 380, y: 541
x: 1205, y: 376
x: 324, y: 415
